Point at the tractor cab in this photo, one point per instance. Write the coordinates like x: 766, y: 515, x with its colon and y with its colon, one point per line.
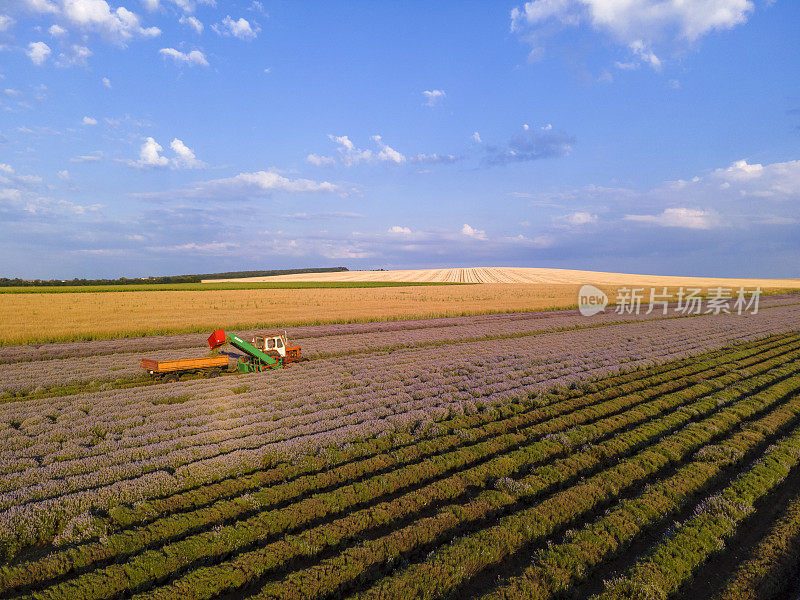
x: 277, y: 345
x: 270, y: 344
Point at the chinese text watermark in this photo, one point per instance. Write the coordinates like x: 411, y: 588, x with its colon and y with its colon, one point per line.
x: 683, y: 301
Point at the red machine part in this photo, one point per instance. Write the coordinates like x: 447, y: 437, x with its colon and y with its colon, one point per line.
x: 217, y: 339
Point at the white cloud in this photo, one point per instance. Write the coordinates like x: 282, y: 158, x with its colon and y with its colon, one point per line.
x: 149, y: 156
x: 388, y: 154
x: 267, y: 181
x: 6, y: 22
x: 74, y: 55
x: 302, y: 216
x: 256, y: 6
x: 38, y: 52
x: 151, y: 5
x: 343, y: 141
x: 56, y: 30
x: 184, y: 157
x: 473, y: 233
x: 578, y: 218
x: 689, y: 218
x: 348, y: 153
x: 780, y: 181
x: 41, y: 6
x: 398, y: 230
x: 7, y: 169
x: 434, y: 158
x: 89, y: 121
x: 94, y: 157
x: 119, y: 25
x: 212, y: 248
x: 195, y: 57
x: 476, y: 137
x: 107, y: 82
x: 537, y: 241
x: 63, y: 175
x: 258, y: 183
x: 638, y: 24
x: 740, y: 170
x: 640, y: 50
x: 433, y: 97
x: 626, y: 66
x: 192, y: 22
x: 319, y: 161
x: 240, y: 28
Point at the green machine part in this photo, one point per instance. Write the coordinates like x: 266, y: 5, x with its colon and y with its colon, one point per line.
x: 261, y: 360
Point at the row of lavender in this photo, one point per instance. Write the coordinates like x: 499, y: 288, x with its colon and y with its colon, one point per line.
x: 67, y: 455
x: 97, y: 364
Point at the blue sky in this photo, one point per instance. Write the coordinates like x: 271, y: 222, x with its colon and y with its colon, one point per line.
x: 179, y: 136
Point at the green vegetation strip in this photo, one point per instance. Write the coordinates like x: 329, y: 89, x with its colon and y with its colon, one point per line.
x: 222, y: 285
x: 672, y: 561
x: 561, y: 566
x: 773, y: 563
x: 450, y: 566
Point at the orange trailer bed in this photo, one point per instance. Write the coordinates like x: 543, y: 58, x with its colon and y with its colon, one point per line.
x: 184, y: 364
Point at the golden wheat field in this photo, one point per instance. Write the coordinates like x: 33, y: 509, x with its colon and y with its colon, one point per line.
x: 35, y: 317
x: 526, y: 275
x: 45, y: 317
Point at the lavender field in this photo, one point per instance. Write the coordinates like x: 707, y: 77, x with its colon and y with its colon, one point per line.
x: 502, y: 456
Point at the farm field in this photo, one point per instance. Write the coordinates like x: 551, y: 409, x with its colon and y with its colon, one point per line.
x: 527, y: 455
x: 42, y: 317
x: 48, y: 315
x: 519, y: 275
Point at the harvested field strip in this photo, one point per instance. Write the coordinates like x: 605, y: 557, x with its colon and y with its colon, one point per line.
x: 615, y: 427
x: 170, y: 528
x: 772, y: 564
x: 451, y: 567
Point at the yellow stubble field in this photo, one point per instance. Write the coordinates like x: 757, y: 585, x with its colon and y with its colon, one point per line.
x: 40, y: 317
x: 36, y: 317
